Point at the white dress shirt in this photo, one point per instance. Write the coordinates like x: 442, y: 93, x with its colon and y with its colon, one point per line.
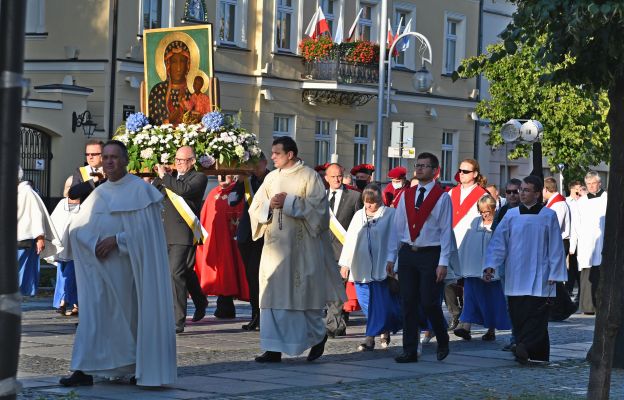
x: 437, y: 230
x: 337, y: 198
x: 563, y: 216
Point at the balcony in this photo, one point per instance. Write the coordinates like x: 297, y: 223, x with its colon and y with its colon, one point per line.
x: 340, y: 72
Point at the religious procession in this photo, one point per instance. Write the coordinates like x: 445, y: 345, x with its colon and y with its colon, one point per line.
x: 144, y: 226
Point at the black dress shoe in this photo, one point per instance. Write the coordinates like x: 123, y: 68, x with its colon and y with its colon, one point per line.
x: 442, y: 353
x: 133, y: 380
x: 521, y: 353
x: 224, y: 315
x: 179, y: 329
x: 199, y: 313
x: 78, y: 378
x: 317, y: 350
x: 463, y: 333
x: 407, y: 358
x: 269, y: 357
x: 252, y: 325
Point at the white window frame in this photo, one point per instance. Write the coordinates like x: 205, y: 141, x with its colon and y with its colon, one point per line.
x: 166, y: 19
x: 291, y: 126
x: 240, y: 22
x: 326, y: 137
x: 459, y: 37
x: 295, y: 23
x: 361, y: 140
x: 35, y: 17
x: 453, y: 151
x: 409, y: 56
x: 373, y: 23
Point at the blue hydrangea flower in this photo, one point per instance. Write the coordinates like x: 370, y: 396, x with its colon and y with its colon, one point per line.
x: 213, y: 120
x: 136, y: 121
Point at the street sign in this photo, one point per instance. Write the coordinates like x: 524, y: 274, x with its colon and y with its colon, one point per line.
x: 395, y: 152
x: 402, y: 132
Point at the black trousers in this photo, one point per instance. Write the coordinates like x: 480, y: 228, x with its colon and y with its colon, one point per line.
x: 420, y: 294
x: 529, y: 318
x: 574, y: 276
x: 184, y: 280
x: 563, y: 306
x: 251, y: 252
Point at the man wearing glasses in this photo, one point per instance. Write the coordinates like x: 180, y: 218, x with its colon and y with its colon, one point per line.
x: 512, y: 193
x: 422, y: 239
x: 188, y: 184
x: 90, y: 176
x: 527, y: 244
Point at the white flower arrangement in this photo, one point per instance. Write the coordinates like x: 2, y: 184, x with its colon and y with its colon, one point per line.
x: 215, y: 139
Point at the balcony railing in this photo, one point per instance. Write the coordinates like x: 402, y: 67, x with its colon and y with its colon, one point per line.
x: 341, y: 72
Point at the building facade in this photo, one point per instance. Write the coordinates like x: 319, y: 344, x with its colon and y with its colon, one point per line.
x: 95, y: 64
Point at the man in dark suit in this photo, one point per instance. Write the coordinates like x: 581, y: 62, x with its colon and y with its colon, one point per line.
x: 250, y: 250
x: 190, y: 186
x: 90, y: 176
x: 343, y: 204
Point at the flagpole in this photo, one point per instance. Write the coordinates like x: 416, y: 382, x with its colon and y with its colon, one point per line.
x: 383, y: 28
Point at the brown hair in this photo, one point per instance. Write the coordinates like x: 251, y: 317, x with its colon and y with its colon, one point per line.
x: 372, y: 194
x: 550, y: 184
x: 480, y: 179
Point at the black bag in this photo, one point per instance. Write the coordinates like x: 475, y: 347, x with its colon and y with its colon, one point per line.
x: 24, y: 244
x: 393, y: 284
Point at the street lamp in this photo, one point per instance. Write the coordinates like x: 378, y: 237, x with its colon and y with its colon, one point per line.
x: 530, y: 131
x: 422, y: 79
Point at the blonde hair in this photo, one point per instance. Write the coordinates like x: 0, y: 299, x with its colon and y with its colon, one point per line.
x: 488, y: 201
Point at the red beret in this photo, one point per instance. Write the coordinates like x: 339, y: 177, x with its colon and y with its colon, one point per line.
x: 366, y: 168
x: 321, y: 167
x: 397, y: 172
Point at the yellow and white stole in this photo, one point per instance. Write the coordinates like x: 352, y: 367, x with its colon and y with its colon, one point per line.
x: 199, y: 232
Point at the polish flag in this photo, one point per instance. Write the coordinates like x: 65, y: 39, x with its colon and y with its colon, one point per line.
x: 318, y: 25
x: 352, y: 29
x: 391, y: 38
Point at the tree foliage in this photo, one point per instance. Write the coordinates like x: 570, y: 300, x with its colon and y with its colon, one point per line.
x: 574, y: 117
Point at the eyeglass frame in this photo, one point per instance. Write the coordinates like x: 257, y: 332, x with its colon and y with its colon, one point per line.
x: 182, y: 160
x: 464, y: 171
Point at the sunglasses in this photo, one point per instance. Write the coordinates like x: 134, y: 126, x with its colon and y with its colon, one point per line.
x: 92, y: 154
x: 512, y: 191
x: 464, y: 171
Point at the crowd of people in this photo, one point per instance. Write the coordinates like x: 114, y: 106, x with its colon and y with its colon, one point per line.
x: 306, y: 247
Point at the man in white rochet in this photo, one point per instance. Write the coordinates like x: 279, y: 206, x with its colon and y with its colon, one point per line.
x: 124, y: 285
x: 298, y: 272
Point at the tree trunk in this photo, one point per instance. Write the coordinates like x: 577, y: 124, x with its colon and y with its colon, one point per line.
x: 610, y: 294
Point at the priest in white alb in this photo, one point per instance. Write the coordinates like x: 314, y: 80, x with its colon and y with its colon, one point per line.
x: 117, y: 239
x: 527, y: 249
x: 298, y: 272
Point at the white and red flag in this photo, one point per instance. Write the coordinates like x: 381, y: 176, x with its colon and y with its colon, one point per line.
x: 318, y: 25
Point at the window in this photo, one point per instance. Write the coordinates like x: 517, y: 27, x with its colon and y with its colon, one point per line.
x: 283, y: 125
x: 365, y: 24
x: 449, y: 160
x: 227, y: 21
x: 322, y: 141
x: 454, y: 45
x: 401, y: 16
x: 152, y: 14
x: 404, y: 13
x: 285, y: 19
x: 361, y: 143
x: 35, y: 17
x: 330, y: 9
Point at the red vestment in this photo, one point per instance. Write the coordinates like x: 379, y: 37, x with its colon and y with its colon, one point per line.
x: 391, y: 196
x: 218, y: 263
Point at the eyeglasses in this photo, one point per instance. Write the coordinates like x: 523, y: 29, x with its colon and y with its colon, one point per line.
x: 181, y: 160
x: 464, y: 171
x: 527, y: 190
x: 512, y: 191
x: 422, y: 166
x: 92, y: 154
x: 485, y: 212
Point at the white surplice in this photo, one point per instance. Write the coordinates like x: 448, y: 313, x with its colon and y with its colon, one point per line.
x: 588, y: 224
x: 298, y: 274
x: 531, y: 249
x: 126, y: 302
x: 33, y: 220
x: 365, y: 249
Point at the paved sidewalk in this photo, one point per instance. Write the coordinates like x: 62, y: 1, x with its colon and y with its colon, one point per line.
x: 215, y: 362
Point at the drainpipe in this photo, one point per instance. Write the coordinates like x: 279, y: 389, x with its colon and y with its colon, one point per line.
x: 12, y: 24
x: 477, y: 126
x: 113, y: 70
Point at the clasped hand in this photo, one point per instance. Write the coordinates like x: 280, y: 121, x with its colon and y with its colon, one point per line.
x: 105, y: 246
x: 277, y: 201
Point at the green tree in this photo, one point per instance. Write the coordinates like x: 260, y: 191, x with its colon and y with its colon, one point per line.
x: 574, y: 117
x: 584, y: 37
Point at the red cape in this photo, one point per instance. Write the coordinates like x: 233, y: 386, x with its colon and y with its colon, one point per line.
x: 219, y: 265
x: 391, y: 196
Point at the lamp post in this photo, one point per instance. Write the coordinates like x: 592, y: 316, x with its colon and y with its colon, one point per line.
x: 530, y: 131
x: 422, y: 79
